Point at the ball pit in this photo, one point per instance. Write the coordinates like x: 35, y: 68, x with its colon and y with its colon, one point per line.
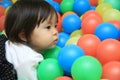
x: 107, y: 52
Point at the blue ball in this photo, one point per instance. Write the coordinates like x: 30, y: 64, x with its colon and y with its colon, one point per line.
x: 119, y: 33
x: 68, y: 55
x: 81, y: 6
x: 54, y: 4
x: 6, y: 3
x: 71, y: 23
x: 92, y: 8
x: 106, y: 30
x: 62, y: 39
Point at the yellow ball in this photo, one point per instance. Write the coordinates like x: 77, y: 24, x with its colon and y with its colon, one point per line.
x: 14, y: 1
x: 6, y: 10
x: 101, y: 8
x: 111, y: 14
x: 100, y: 1
x: 76, y: 33
x: 72, y: 40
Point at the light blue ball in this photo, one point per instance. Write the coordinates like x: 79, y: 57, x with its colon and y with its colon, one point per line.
x: 62, y: 39
x: 81, y: 6
x: 68, y: 55
x: 106, y: 30
x: 71, y: 23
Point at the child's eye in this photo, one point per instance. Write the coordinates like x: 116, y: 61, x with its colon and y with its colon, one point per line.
x: 48, y: 27
x: 55, y: 26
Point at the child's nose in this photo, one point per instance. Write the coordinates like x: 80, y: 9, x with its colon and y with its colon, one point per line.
x: 55, y: 32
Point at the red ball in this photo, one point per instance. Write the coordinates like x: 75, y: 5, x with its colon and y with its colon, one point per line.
x: 64, y: 78
x: 59, y: 25
x: 2, y: 20
x: 89, y: 44
x: 89, y: 24
x: 59, y: 1
x: 111, y: 70
x: 93, y: 2
x: 2, y: 10
x: 91, y: 13
x: 108, y: 50
x: 116, y: 23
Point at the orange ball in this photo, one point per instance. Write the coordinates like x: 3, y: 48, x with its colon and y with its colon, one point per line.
x: 108, y: 50
x: 64, y: 78
x: 91, y: 13
x: 67, y: 13
x: 116, y: 23
x: 89, y: 24
x: 59, y: 25
x: 2, y: 20
x: 93, y: 2
x: 89, y: 44
x: 2, y: 10
x: 111, y: 70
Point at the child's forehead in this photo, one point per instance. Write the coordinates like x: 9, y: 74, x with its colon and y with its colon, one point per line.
x: 51, y: 17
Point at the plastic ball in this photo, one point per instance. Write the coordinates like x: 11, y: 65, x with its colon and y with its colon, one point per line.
x: 64, y: 78
x: 52, y: 53
x: 93, y: 2
x: 72, y: 40
x: 100, y: 1
x: 67, y: 13
x: 86, y: 68
x: 111, y: 14
x: 62, y: 39
x: 2, y: 20
x: 71, y: 23
x: 91, y: 13
x: 49, y: 69
x: 13, y: 1
x: 116, y: 23
x: 81, y: 6
x: 119, y: 33
x: 106, y: 30
x: 6, y: 3
x: 89, y: 44
x: 55, y: 5
x: 108, y: 50
x: 66, y: 5
x: 89, y: 24
x: 111, y: 70
x: 58, y: 1
x: 68, y: 55
x: 92, y: 8
x: 59, y: 25
x: 76, y: 33
x: 101, y: 8
x: 115, y: 3
x: 2, y: 10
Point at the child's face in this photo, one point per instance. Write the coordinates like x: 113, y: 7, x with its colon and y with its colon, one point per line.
x: 46, y: 35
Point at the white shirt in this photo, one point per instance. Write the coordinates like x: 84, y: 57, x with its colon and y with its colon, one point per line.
x: 24, y: 59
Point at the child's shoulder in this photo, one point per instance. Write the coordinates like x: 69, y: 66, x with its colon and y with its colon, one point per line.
x: 7, y: 71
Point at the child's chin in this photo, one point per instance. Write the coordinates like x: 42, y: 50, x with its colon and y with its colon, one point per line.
x: 52, y: 46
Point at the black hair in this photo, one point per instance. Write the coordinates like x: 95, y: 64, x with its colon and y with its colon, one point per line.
x: 24, y: 15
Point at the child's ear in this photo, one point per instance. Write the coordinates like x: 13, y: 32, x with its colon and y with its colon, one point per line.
x: 22, y: 36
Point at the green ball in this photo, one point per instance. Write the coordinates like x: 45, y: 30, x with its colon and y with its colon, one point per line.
x: 52, y: 53
x: 114, y: 3
x: 49, y: 69
x: 66, y: 5
x: 86, y: 68
x: 0, y: 33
